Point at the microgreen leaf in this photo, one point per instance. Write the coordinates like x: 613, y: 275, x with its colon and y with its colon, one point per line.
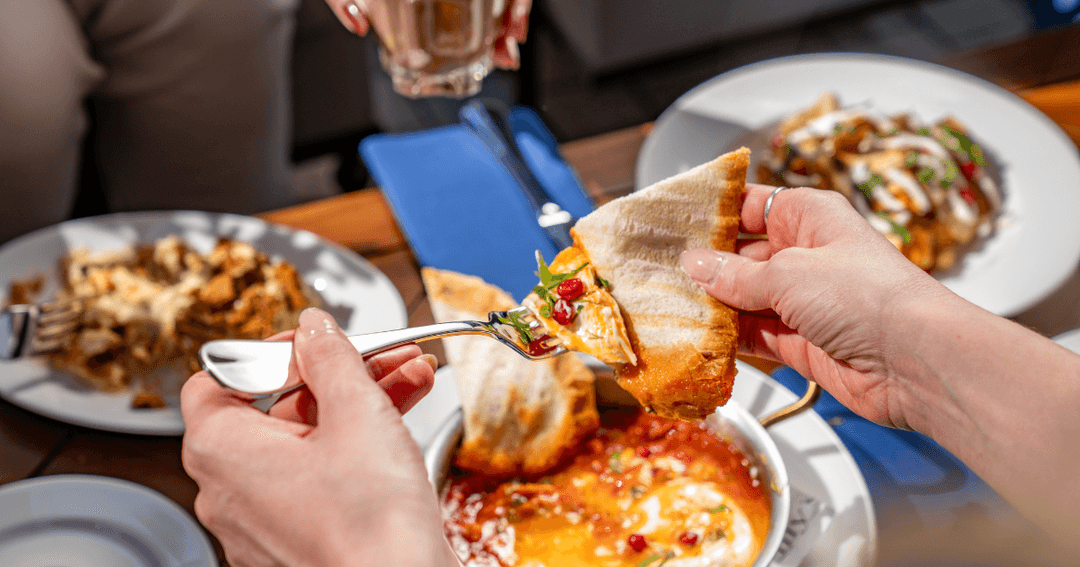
x: 926, y: 175
x: 720, y: 508
x: 970, y: 148
x: 603, y: 283
x: 645, y: 562
x: 516, y: 321
x: 951, y: 171
x: 897, y: 228
x: 867, y: 187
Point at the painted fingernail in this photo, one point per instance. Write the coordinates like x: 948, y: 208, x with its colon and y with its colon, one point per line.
x: 513, y: 51
x: 356, y: 18
x: 701, y: 265
x: 314, y: 321
x: 431, y: 360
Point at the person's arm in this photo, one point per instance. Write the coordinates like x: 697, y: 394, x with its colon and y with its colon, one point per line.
x: 1002, y: 398
x: 330, y: 476
x: 831, y: 297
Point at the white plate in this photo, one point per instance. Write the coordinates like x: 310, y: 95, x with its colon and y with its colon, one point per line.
x: 94, y: 521
x: 360, y: 297
x: 1037, y: 247
x: 842, y: 530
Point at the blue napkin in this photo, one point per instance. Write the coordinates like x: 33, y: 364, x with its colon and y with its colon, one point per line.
x: 461, y: 210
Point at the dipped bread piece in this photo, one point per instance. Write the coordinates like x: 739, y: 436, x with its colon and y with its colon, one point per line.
x: 522, y: 417
x: 684, y: 339
x: 575, y: 307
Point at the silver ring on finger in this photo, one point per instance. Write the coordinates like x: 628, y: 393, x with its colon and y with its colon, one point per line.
x: 768, y: 202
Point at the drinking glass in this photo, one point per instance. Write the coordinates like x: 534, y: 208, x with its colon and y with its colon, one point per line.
x: 436, y: 47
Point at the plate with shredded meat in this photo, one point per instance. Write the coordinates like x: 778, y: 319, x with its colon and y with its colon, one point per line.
x: 155, y: 286
x: 970, y: 181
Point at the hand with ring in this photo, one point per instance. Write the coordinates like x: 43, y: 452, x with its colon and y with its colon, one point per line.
x: 818, y: 294
x: 514, y: 25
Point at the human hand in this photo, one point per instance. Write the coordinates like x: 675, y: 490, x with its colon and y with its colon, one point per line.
x: 330, y: 476
x: 514, y: 26
x: 820, y: 294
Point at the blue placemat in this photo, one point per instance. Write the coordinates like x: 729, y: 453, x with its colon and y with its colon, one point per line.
x: 461, y: 210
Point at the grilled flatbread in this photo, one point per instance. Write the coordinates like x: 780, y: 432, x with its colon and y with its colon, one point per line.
x: 684, y: 339
x: 522, y: 417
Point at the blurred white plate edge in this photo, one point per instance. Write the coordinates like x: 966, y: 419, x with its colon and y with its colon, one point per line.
x: 47, y: 510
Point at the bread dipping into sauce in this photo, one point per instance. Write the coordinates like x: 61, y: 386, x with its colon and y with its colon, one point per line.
x: 642, y: 491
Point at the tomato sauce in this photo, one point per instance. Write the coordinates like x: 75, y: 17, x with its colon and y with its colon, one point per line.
x: 643, y: 490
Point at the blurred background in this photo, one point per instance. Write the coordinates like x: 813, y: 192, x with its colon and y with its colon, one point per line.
x: 593, y: 66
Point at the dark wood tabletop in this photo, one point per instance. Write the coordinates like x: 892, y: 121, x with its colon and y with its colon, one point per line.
x: 1044, y: 70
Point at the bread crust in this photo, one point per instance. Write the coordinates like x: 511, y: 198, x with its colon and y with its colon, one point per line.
x: 522, y: 417
x: 685, y: 339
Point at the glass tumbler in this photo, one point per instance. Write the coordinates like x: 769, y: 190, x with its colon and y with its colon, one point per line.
x: 436, y: 47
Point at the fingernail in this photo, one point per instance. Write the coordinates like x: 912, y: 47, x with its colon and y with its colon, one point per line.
x: 513, y: 51
x: 431, y: 360
x: 520, y: 11
x: 356, y: 17
x: 314, y: 321
x: 701, y: 265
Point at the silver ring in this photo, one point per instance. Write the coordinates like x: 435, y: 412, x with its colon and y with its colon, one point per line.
x: 768, y: 202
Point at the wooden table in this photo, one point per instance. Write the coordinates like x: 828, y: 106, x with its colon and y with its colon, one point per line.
x: 31, y: 445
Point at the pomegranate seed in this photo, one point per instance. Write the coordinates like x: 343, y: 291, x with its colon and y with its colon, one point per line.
x: 968, y: 195
x: 969, y: 169
x: 688, y: 538
x: 643, y: 452
x: 801, y: 170
x: 570, y: 289
x: 637, y: 542
x: 563, y: 312
x: 536, y: 346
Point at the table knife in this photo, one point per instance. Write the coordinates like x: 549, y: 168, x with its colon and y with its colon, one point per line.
x: 488, y: 120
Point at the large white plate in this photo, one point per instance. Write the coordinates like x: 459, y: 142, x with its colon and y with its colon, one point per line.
x: 96, y: 521
x: 829, y: 490
x: 1037, y: 247
x: 361, y: 298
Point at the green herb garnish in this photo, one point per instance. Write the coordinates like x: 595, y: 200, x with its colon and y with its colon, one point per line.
x: 614, y: 463
x: 720, y: 508
x: 648, y: 560
x: 912, y: 159
x: 603, y: 283
x: 517, y: 322
x: 951, y: 172
x: 966, y: 145
x: 867, y: 187
x: 926, y: 175
x: 897, y: 228
x: 548, y: 283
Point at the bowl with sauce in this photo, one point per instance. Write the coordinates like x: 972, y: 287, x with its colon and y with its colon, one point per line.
x: 641, y: 491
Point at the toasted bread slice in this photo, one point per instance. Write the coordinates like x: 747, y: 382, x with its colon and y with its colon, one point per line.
x: 684, y: 339
x: 522, y: 417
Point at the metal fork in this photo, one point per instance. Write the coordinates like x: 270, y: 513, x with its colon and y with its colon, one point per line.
x: 31, y: 329
x: 260, y: 369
